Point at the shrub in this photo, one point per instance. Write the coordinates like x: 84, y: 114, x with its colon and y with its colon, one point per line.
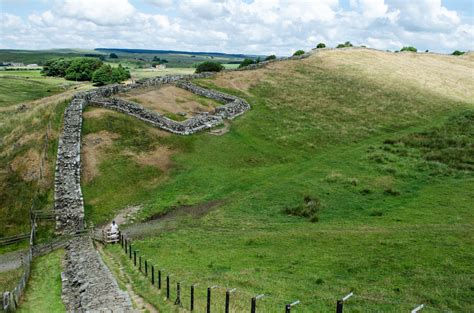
x: 321, y: 45
x: 347, y: 44
x: 409, y: 49
x: 102, y: 75
x: 246, y: 62
x: 298, y: 52
x: 108, y: 75
x: 309, y: 209
x: 209, y: 66
x: 113, y: 56
x: 270, y: 57
x: 457, y: 52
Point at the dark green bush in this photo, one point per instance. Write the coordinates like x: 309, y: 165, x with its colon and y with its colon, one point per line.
x: 457, y: 52
x: 298, y: 52
x: 246, y: 62
x: 270, y: 57
x: 113, y: 56
x: 347, y: 44
x: 108, y: 75
x: 409, y: 49
x: 209, y: 66
x: 321, y: 45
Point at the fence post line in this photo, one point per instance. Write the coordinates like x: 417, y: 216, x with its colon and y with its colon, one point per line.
x: 227, y: 300
x: 178, y: 295
x: 135, y: 258
x: 152, y: 274
x: 253, y: 305
x: 159, y: 279
x: 192, y: 298
x: 208, y: 307
x: 340, y: 303
x: 146, y: 268
x: 167, y: 287
x: 130, y: 248
x: 140, y: 263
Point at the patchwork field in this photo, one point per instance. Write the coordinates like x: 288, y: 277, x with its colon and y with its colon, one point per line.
x: 344, y: 176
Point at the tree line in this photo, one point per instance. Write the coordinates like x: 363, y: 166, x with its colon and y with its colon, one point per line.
x: 85, y: 69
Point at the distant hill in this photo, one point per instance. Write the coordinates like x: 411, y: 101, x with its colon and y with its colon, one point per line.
x: 146, y: 51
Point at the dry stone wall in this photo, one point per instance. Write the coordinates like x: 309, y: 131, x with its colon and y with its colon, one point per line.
x: 68, y: 201
x: 88, y: 285
x: 69, y: 204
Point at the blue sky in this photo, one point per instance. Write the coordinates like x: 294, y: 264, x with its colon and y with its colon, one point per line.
x: 237, y: 26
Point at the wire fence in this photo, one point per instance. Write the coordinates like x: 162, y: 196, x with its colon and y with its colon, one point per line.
x: 196, y: 297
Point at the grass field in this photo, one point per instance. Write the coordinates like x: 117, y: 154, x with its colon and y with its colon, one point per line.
x: 335, y: 181
x: 9, y: 279
x: 148, y: 73
x: 43, y: 292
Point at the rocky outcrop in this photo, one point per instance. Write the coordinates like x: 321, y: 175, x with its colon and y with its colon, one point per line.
x: 87, y: 284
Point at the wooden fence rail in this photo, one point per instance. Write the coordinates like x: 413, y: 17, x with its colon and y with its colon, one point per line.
x: 4, y: 241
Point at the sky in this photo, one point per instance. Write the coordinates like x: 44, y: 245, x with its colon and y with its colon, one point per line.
x: 237, y: 26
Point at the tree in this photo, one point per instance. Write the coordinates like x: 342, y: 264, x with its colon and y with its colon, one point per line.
x: 209, y: 66
x: 348, y: 44
x: 270, y: 57
x: 156, y: 59
x: 56, y: 67
x: 457, y: 52
x: 298, y: 52
x: 81, y: 69
x: 409, y: 49
x: 321, y: 45
x: 102, y: 76
x: 113, y: 56
x: 246, y: 62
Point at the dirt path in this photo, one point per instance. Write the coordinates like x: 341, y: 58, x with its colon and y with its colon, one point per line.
x: 12, y: 260
x: 140, y: 303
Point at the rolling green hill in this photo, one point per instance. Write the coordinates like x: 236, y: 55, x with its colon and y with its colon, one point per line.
x: 352, y: 172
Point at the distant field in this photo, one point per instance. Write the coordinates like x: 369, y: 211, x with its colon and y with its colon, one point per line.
x: 231, y: 66
x: 335, y: 181
x: 147, y: 73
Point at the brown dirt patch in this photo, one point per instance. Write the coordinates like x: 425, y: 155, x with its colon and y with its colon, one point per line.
x: 169, y: 99
x: 27, y: 165
x: 167, y: 221
x: 160, y: 157
x: 96, y: 113
x: 93, y: 149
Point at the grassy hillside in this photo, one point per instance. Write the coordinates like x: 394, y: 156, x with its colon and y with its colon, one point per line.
x: 31, y: 111
x: 345, y: 175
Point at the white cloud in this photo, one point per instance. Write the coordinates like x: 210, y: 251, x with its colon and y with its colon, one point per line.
x: 102, y: 12
x: 257, y: 27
